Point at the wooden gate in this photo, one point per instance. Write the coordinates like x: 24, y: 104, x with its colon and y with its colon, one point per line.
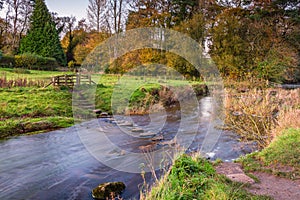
x: 69, y: 80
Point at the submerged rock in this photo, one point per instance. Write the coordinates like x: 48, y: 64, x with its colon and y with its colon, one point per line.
x: 108, y: 190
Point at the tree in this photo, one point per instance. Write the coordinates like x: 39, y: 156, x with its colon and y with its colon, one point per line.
x: 95, y: 13
x: 149, y: 13
x: 86, y: 42
x: 116, y: 11
x: 69, y: 41
x: 42, y: 37
x: 183, y: 10
x: 17, y: 17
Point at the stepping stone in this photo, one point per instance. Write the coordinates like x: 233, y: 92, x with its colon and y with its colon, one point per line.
x: 169, y: 143
x: 147, y: 135
x: 104, y: 115
x: 126, y: 124
x: 104, y: 190
x: 137, y: 130
x: 234, y: 172
x: 242, y: 178
x: 158, y: 138
x: 148, y: 148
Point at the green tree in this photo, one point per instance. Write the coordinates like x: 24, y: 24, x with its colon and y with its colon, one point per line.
x: 183, y: 10
x: 42, y: 37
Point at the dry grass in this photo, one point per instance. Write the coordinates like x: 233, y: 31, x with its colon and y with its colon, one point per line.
x: 20, y: 82
x: 261, y: 114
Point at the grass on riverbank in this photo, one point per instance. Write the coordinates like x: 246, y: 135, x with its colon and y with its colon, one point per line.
x: 281, y: 157
x: 27, y: 110
x: 196, y: 178
x: 31, y: 109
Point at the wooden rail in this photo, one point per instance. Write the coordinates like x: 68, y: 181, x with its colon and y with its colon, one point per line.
x: 69, y: 80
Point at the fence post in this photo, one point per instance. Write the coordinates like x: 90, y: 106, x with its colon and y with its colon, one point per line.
x: 78, y: 78
x: 90, y: 79
x: 66, y: 80
x: 53, y: 81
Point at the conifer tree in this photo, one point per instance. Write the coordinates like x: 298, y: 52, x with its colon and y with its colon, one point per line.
x: 42, y: 37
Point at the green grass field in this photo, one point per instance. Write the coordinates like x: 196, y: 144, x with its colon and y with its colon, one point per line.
x: 11, y: 73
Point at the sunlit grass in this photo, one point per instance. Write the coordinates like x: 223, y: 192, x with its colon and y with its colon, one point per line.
x: 196, y: 178
x: 281, y: 157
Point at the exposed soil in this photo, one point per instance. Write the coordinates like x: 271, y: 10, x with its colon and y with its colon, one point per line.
x: 270, y: 185
x: 276, y: 187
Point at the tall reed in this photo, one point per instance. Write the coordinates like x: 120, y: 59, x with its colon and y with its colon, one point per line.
x: 260, y: 114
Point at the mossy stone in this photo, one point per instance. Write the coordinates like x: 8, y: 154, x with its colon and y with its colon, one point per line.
x: 107, y: 190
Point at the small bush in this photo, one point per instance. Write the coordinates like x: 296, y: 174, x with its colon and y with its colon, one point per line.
x: 71, y: 64
x: 7, y: 61
x: 21, y: 71
x: 26, y: 60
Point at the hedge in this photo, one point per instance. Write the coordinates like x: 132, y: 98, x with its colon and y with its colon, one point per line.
x: 32, y: 61
x: 29, y: 61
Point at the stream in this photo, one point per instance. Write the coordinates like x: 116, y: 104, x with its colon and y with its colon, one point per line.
x: 57, y: 164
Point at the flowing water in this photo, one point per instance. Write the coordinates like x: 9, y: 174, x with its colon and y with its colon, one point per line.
x: 57, y: 165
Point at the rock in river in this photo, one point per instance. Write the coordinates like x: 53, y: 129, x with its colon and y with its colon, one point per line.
x: 147, y: 135
x: 137, y: 130
x: 108, y: 190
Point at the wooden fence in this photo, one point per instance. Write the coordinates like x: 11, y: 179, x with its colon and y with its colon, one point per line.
x: 69, y: 80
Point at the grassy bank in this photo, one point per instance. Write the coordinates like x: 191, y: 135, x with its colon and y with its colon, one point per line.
x: 281, y: 157
x: 29, y: 110
x: 268, y: 117
x: 196, y: 178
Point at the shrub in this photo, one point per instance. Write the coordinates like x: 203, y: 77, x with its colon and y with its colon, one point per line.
x: 21, y: 71
x: 36, y: 62
x: 71, y: 64
x: 25, y: 60
x: 7, y: 61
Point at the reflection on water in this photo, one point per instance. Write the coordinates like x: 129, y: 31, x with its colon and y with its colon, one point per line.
x: 56, y: 165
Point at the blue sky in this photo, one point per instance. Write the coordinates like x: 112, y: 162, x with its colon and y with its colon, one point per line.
x: 76, y: 8
x: 63, y: 8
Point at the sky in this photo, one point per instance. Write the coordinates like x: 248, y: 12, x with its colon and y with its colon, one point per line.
x: 76, y: 8
x: 64, y: 8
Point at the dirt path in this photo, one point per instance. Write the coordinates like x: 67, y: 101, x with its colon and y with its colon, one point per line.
x: 270, y: 185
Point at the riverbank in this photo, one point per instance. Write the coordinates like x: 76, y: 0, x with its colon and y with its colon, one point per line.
x: 28, y: 108
x: 266, y: 117
x: 192, y: 177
